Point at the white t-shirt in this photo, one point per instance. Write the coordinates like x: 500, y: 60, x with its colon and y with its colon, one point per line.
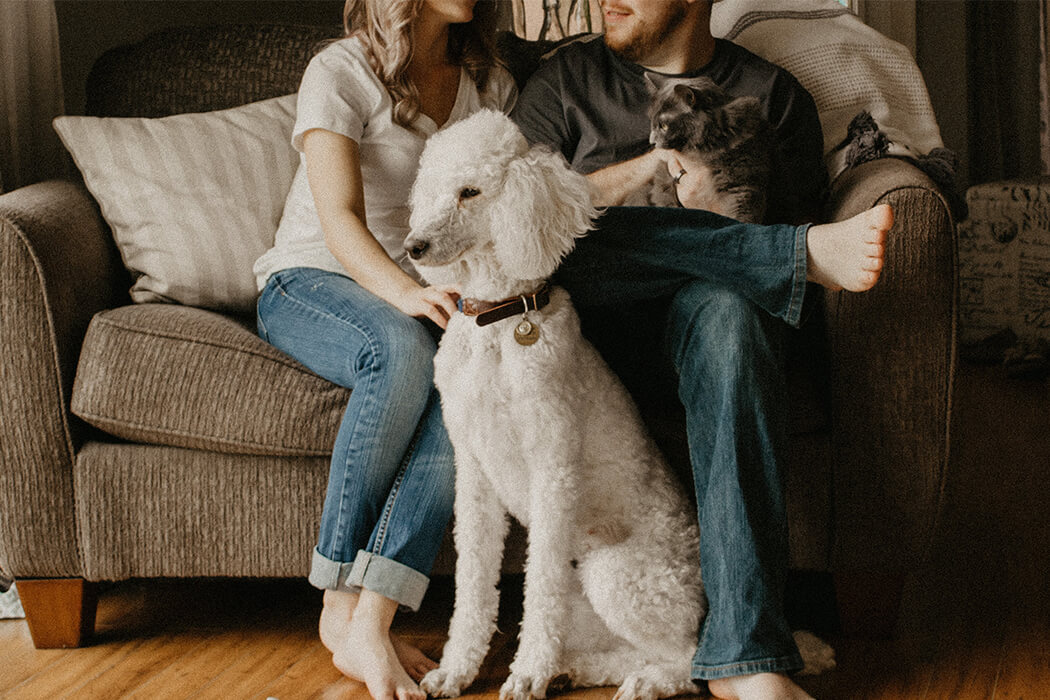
x: 341, y: 93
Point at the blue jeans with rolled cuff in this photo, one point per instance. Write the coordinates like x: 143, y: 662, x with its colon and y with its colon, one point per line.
x: 717, y: 297
x: 390, y: 482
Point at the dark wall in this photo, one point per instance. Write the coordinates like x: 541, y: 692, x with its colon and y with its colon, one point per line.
x: 88, y: 27
x: 981, y: 63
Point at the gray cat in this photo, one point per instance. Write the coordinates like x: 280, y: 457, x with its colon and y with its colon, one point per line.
x: 728, y: 135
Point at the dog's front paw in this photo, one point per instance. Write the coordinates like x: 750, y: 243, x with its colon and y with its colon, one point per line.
x: 445, y: 682
x: 525, y: 686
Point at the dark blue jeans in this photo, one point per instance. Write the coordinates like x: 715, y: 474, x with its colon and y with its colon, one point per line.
x: 722, y: 292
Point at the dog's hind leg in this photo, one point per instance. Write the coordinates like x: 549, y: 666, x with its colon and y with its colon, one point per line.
x: 638, y: 676
x: 480, y: 529
x: 658, y: 680
x: 657, y: 608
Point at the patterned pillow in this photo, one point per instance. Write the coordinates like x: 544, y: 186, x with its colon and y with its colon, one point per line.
x: 192, y: 199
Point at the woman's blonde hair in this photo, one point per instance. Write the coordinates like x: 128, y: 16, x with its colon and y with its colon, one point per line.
x: 385, y: 27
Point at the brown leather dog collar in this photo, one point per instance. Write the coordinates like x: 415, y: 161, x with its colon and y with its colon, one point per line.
x: 487, y: 312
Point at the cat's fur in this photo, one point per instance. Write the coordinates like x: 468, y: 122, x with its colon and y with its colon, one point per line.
x: 728, y: 135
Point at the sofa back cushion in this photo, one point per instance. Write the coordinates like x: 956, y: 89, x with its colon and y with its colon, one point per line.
x: 200, y: 69
x: 192, y: 199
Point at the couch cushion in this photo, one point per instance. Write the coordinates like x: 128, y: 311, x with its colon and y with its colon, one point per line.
x: 185, y: 377
x: 192, y: 199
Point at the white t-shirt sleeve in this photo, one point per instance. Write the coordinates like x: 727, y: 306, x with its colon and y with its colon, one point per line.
x: 337, y: 93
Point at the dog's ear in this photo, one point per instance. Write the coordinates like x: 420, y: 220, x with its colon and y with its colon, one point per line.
x: 543, y: 207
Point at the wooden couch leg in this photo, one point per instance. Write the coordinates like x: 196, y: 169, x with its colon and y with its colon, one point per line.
x: 60, y: 611
x: 869, y: 602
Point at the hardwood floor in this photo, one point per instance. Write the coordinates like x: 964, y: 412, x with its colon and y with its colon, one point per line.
x: 975, y: 622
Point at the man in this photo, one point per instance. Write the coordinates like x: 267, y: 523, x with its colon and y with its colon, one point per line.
x: 723, y: 342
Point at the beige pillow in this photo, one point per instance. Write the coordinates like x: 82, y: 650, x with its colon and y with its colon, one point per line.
x: 192, y: 199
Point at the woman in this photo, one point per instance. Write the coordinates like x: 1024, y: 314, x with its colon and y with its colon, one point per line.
x: 339, y: 295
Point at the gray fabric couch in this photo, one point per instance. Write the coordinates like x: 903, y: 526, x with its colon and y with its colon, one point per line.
x: 145, y: 441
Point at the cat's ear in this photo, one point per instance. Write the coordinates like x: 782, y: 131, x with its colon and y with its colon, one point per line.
x: 685, y: 94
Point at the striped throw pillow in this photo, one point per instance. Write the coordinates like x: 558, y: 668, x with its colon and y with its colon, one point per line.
x: 192, y: 199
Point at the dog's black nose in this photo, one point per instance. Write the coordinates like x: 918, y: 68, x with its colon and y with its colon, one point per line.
x: 417, y: 248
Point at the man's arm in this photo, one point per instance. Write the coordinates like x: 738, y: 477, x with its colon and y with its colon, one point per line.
x: 613, y: 183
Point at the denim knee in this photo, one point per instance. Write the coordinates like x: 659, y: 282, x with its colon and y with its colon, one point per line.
x: 718, y: 329
x: 401, y: 347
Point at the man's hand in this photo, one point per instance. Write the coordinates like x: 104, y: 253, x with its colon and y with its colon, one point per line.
x: 692, y: 181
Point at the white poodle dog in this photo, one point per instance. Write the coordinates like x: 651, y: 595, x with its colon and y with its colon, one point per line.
x: 545, y: 432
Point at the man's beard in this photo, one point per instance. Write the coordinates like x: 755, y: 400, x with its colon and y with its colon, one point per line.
x: 647, y: 36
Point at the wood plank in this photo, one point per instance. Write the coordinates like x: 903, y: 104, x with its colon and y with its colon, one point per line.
x: 150, y: 658
x: 21, y: 659
x: 310, y: 676
x: 73, y: 670
x: 197, y: 667
x: 273, y: 653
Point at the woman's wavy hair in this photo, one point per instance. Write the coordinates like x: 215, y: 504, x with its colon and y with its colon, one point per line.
x: 385, y: 27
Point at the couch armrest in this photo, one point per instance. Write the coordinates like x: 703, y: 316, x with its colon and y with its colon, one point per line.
x: 893, y: 355
x: 58, y: 266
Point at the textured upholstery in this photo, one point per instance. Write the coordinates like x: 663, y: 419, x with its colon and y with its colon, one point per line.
x: 174, y: 375
x: 105, y: 505
x: 199, y: 69
x: 149, y: 511
x: 892, y: 353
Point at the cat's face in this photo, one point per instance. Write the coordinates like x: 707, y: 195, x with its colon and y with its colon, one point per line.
x: 681, y: 109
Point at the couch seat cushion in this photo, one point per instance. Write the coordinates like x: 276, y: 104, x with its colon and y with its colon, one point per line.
x: 184, y: 377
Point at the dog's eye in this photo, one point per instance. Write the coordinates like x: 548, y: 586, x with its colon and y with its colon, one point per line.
x: 468, y: 193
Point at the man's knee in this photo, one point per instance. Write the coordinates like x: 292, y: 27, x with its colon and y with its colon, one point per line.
x: 718, y: 327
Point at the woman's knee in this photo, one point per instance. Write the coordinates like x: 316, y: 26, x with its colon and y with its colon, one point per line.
x: 401, y: 346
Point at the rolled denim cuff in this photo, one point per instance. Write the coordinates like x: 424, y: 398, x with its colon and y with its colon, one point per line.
x: 386, y: 577
x: 798, y: 280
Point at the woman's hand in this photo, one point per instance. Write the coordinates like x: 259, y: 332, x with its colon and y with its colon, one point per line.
x: 437, y: 303
x: 691, y: 181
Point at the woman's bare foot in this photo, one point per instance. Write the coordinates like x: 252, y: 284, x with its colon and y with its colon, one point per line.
x: 849, y: 254
x: 760, y: 686
x: 366, y: 653
x: 334, y: 626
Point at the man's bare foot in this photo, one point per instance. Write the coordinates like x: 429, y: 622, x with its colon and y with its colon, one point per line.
x: 334, y: 627
x: 849, y: 254
x: 368, y: 655
x: 416, y: 663
x: 760, y: 686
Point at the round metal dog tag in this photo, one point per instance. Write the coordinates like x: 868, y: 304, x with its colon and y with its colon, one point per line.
x: 526, y: 333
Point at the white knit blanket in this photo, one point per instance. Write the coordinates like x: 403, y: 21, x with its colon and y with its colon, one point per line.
x: 847, y: 66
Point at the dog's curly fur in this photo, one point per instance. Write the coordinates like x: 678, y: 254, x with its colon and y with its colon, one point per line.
x: 546, y: 434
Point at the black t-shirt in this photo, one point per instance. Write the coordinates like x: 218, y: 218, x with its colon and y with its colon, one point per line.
x: 590, y: 104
